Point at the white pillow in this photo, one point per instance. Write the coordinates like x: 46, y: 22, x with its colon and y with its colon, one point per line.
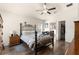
x: 28, y: 32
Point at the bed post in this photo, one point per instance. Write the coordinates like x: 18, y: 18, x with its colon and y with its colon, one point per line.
x: 52, y: 35
x: 20, y: 29
x: 52, y: 38
x: 35, y: 41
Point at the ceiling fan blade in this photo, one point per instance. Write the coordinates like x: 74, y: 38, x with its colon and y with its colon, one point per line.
x: 52, y: 8
x: 48, y: 12
x: 69, y: 5
x: 39, y: 10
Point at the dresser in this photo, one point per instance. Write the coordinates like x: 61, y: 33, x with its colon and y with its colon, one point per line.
x: 14, y: 40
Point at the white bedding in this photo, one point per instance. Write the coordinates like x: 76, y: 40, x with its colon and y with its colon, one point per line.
x: 29, y: 39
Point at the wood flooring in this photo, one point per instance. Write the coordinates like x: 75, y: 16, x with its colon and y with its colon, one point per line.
x: 22, y: 49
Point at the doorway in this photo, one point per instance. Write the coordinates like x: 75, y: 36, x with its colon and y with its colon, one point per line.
x: 62, y: 30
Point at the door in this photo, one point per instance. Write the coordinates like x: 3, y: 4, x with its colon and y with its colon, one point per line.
x: 76, y: 37
x: 62, y: 30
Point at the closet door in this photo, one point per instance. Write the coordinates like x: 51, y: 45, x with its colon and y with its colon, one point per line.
x: 77, y: 37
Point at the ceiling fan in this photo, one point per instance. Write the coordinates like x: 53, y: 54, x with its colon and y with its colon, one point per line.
x: 46, y: 10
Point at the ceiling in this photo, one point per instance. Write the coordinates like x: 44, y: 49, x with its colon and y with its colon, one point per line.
x: 27, y: 7
x: 24, y: 9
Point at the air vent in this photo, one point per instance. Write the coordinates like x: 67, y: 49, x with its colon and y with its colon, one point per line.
x: 69, y: 5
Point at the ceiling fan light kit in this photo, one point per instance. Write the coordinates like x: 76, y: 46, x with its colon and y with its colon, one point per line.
x: 46, y: 10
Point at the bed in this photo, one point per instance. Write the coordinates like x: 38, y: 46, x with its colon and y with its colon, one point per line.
x: 34, y: 38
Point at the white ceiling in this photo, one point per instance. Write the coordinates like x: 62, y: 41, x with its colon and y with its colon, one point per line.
x: 29, y: 8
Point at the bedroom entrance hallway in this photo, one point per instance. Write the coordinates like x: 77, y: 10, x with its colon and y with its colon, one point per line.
x: 22, y: 49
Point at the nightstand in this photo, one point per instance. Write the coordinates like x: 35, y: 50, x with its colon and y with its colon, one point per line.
x: 14, y: 40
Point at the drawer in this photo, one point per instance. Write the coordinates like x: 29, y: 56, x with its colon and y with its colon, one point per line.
x: 14, y: 40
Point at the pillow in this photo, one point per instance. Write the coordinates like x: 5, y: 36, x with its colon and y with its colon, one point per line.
x: 28, y: 32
